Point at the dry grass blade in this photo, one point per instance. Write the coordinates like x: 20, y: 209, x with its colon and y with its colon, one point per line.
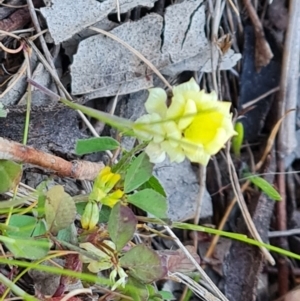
x: 197, y: 266
x: 195, y: 287
x: 254, y: 101
x: 224, y: 219
x: 271, y: 140
x: 75, y: 292
x: 242, y: 204
x: 138, y: 54
x: 270, y: 143
x: 202, y: 187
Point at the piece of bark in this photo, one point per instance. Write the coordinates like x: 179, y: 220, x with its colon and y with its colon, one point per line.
x: 243, y: 263
x: 53, y: 129
x: 265, y: 80
x: 263, y: 52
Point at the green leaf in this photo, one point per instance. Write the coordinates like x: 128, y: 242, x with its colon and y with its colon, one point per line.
x: 60, y: 209
x: 28, y: 248
x: 10, y: 174
x: 121, y: 225
x: 153, y: 294
x: 40, y: 228
x: 143, y: 264
x: 21, y: 243
x: 138, y: 173
x: 98, y: 144
x: 153, y: 183
x: 265, y: 186
x: 104, y: 214
x: 167, y: 295
x: 150, y: 201
x: 68, y: 234
x: 237, y: 140
x: 24, y: 223
x: 135, y: 289
x: 124, y: 162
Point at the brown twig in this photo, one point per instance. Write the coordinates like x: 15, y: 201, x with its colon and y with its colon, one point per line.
x: 202, y: 187
x: 263, y: 53
x: 16, y: 20
x: 286, y: 141
x: 41, y: 37
x: 82, y: 170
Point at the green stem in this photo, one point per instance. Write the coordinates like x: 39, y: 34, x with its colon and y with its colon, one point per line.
x: 14, y: 288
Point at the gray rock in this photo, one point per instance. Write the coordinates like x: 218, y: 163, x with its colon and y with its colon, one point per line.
x: 182, y: 188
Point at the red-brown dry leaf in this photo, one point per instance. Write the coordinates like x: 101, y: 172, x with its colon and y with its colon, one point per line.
x: 72, y: 263
x: 176, y: 261
x: 293, y: 296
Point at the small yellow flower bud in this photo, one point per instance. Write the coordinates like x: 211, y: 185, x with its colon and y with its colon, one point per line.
x: 90, y: 216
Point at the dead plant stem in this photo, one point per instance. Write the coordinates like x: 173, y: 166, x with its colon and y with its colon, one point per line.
x: 242, y: 204
x: 196, y: 264
x: 202, y: 187
x: 286, y: 141
x: 82, y: 170
x: 41, y: 37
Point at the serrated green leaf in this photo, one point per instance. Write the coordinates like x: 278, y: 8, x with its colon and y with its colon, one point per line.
x: 60, y: 209
x: 265, y: 186
x: 150, y: 201
x: 138, y: 173
x: 143, y: 264
x: 153, y: 183
x: 10, y: 174
x: 237, y: 140
x: 97, y: 144
x: 121, y: 225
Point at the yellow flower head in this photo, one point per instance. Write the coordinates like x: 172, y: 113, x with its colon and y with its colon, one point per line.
x: 103, y: 186
x: 196, y: 125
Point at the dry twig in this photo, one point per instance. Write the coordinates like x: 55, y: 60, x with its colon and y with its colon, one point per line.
x: 286, y: 142
x: 82, y: 170
x: 263, y: 52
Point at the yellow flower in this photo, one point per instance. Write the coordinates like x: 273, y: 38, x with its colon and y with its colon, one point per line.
x: 103, y: 186
x: 196, y: 125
